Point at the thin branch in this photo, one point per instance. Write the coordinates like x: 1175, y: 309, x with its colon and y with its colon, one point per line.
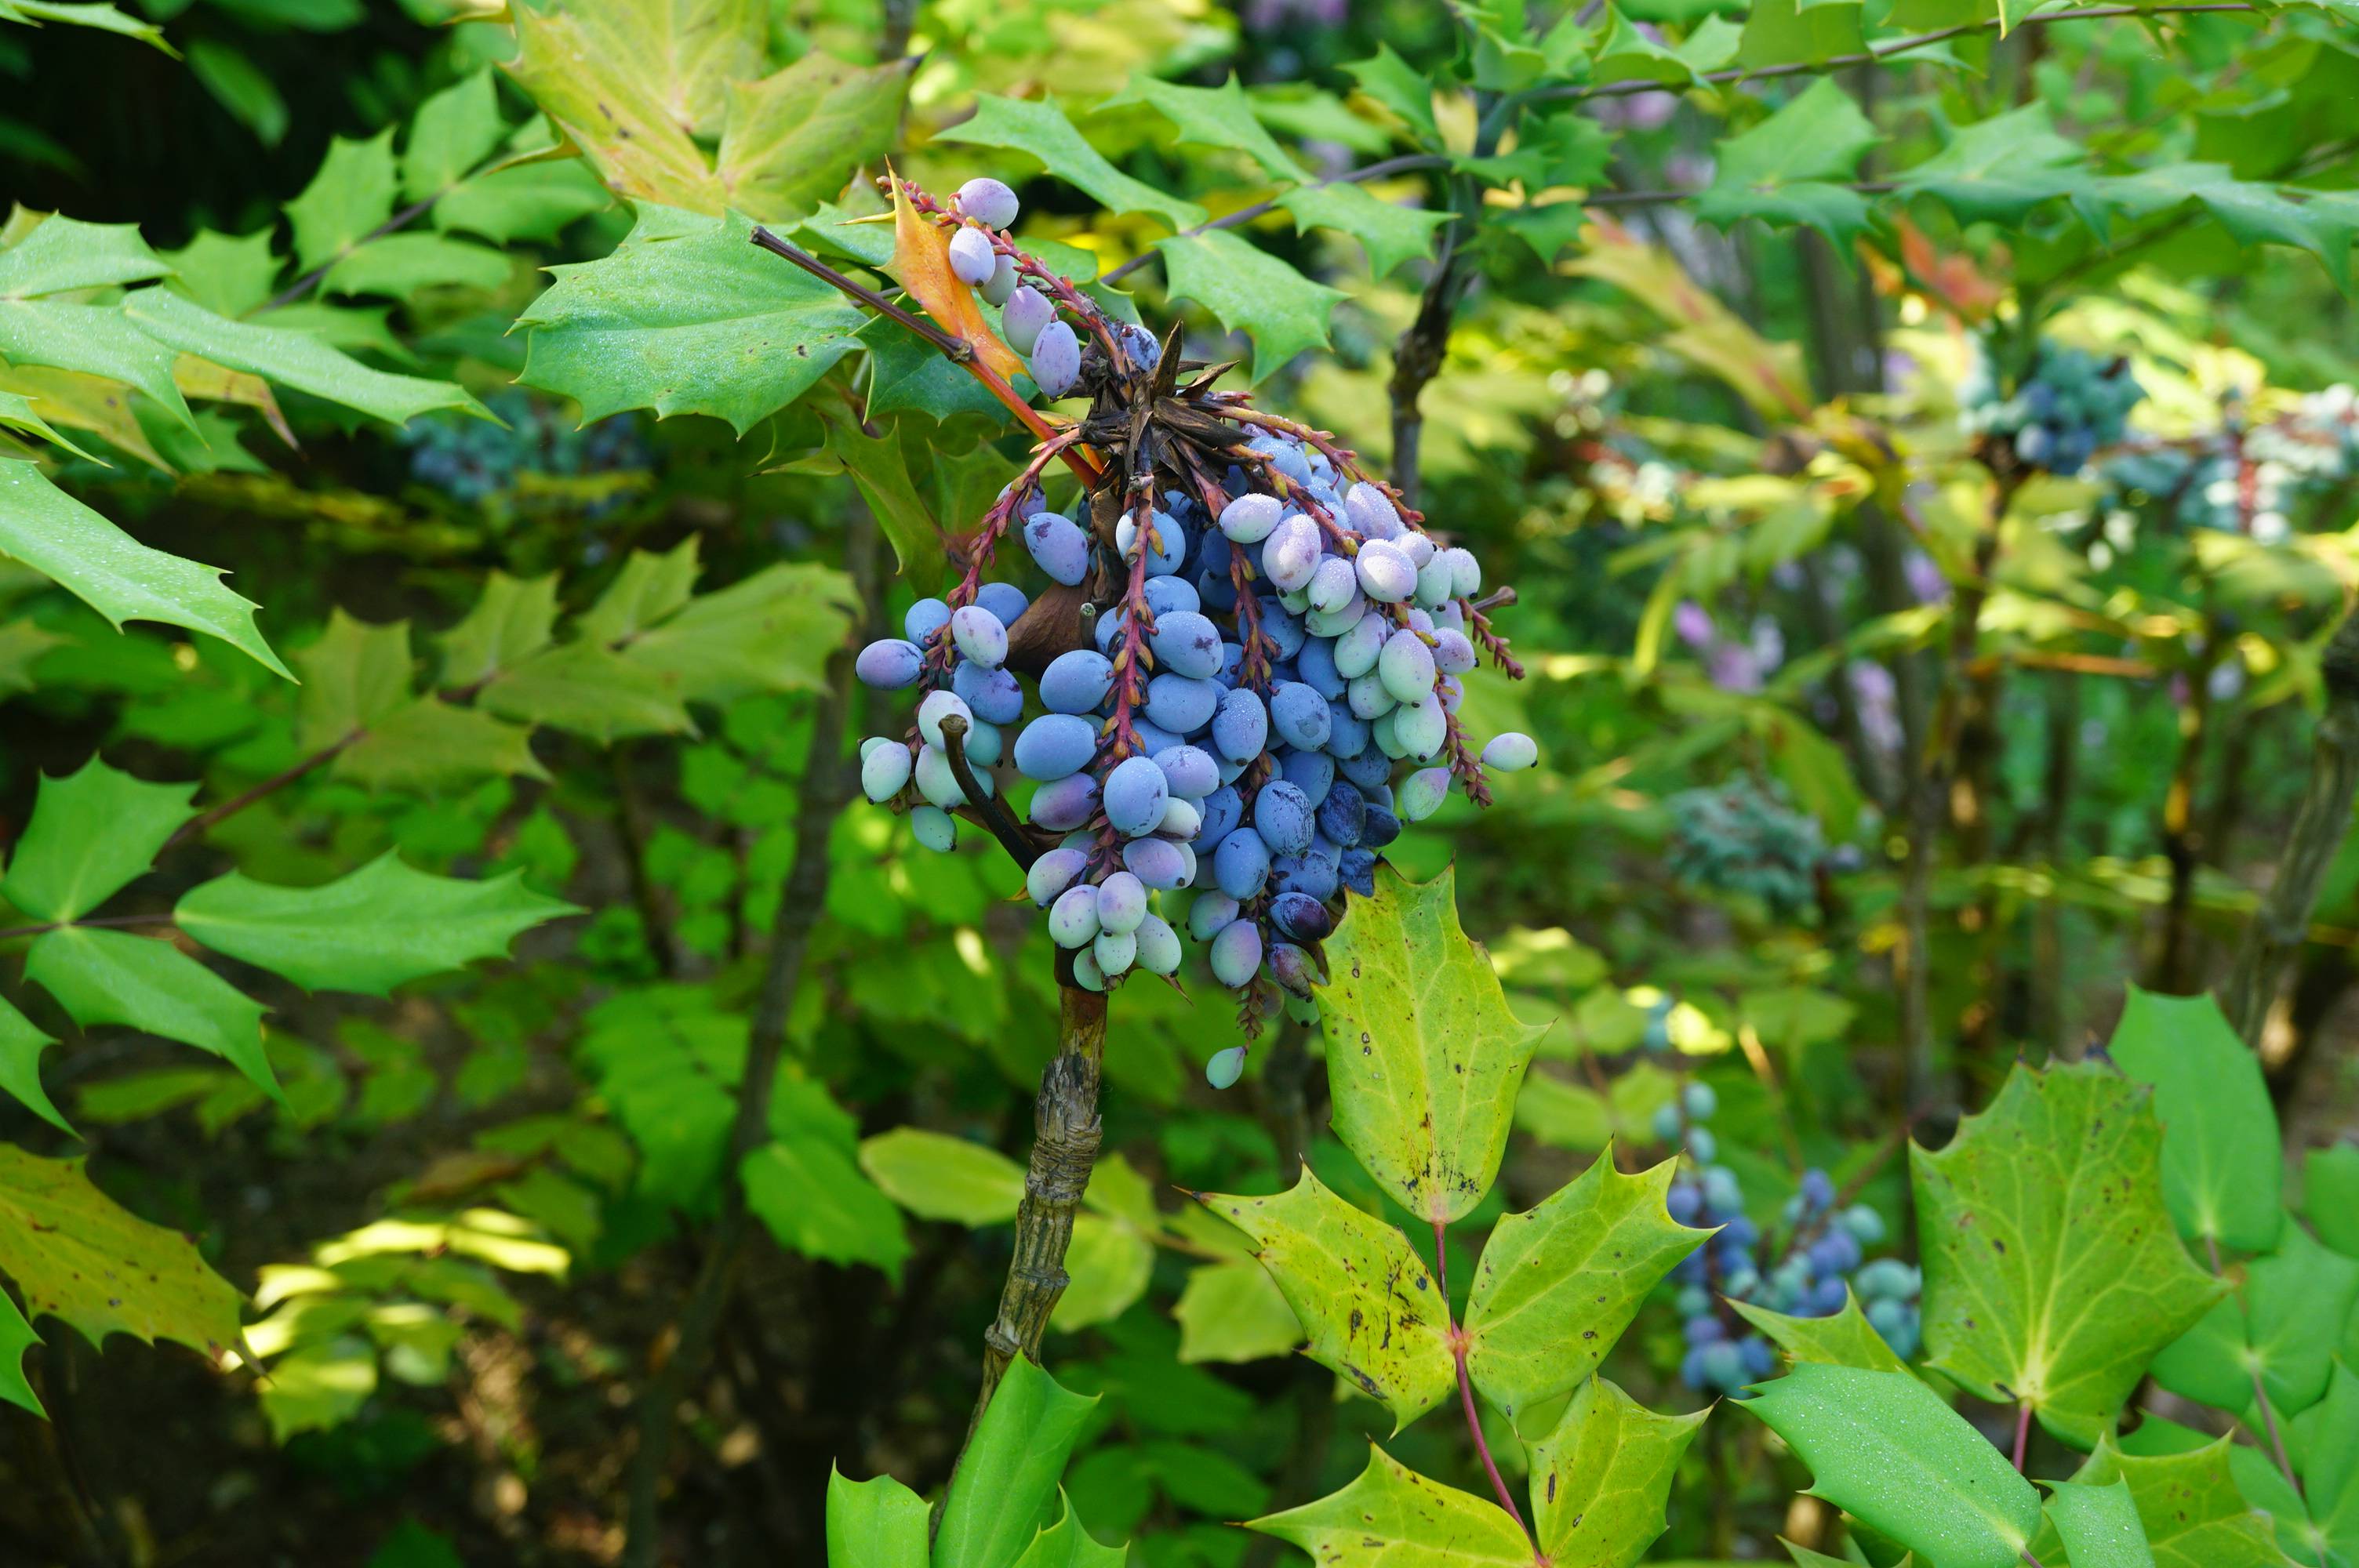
x: 204, y: 821
x: 161, y: 918
x: 1467, y: 1386
x: 1377, y: 170
x: 303, y: 284
x: 990, y: 808
x: 2022, y: 1433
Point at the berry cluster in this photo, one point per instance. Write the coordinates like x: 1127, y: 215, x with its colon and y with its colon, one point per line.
x: 1743, y: 837
x: 2240, y: 476
x: 1805, y: 1274
x: 474, y: 461
x: 1246, y: 659
x: 2067, y: 405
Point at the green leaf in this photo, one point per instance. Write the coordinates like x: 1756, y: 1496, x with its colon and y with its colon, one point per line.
x: 291, y: 358
x: 228, y: 275
x: 1396, y: 1518
x: 367, y: 932
x: 2221, y: 1165
x: 1602, y: 1479
x: 1005, y: 1481
x: 527, y: 201
x: 1423, y: 1055
x: 454, y: 130
x: 63, y: 253
x: 1108, y: 1264
x: 354, y: 675
x: 686, y: 317
x: 2285, y: 1325
x: 78, y: 1256
x: 1066, y: 1544
x: 1778, y: 32
x: 1882, y: 1446
x: 2329, y: 1195
x: 1234, y: 1312
x: 1368, y: 1303
x: 399, y: 265
x: 1846, y: 1339
x: 21, y: 1046
x: 1557, y: 1286
x: 1211, y: 117
x: 1397, y: 85
x: 879, y: 467
x: 2330, y: 1465
x: 1998, y: 170
x: 1779, y: 169
x: 876, y: 1523
x: 813, y: 1200
x: 241, y: 87
x: 104, y: 18
x: 1041, y: 129
x: 1252, y: 292
x: 352, y: 194
x: 591, y: 690
x: 773, y: 631
x: 512, y: 620
x: 1391, y: 233
x: 318, y: 1386
x: 17, y: 1337
x: 2189, y: 1505
x: 16, y: 413
x: 795, y: 137
x: 649, y: 586
x: 90, y: 832
x: 2051, y: 1272
x: 95, y: 340
x: 109, y: 976
x: 936, y: 1176
x: 2099, y: 1525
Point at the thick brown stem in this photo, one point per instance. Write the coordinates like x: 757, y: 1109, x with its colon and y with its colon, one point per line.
x: 827, y: 784
x: 2280, y: 925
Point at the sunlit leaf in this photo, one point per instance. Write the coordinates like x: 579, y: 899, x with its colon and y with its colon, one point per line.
x: 2221, y: 1167
x: 1602, y: 1479
x: 1393, y: 1517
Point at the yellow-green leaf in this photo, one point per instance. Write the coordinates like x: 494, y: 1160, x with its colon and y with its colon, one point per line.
x: 937, y: 1177
x: 1391, y: 1517
x: 1602, y: 1479
x: 795, y: 137
x: 1234, y: 1312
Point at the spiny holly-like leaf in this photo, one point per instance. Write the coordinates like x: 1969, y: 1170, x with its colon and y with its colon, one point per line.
x: 21, y: 1046
x: 453, y: 132
x: 796, y: 137
x: 1782, y: 169
x: 1778, y: 32
x: 2051, y: 1273
x: 590, y: 689
x: 1370, y: 1306
x: 17, y: 413
x: 921, y: 263
x: 2099, y: 1525
x: 1391, y: 1517
x: 357, y: 692
x: 1423, y: 1055
x: 649, y: 586
x: 2285, y: 1324
x: 1109, y: 1264
x: 1007, y: 1480
x: 351, y: 195
x: 17, y: 1337
x: 228, y: 275
x: 1846, y: 1339
x: 2330, y: 1465
x: 1252, y: 292
x: 94, y: 340
x: 937, y: 1177
x: 879, y: 466
x: 370, y: 930
x: 773, y: 631
x: 1397, y: 85
x: 79, y: 1256
x: 109, y: 976
x: 1392, y: 233
x: 291, y: 358
x: 686, y: 317
x: 90, y: 832
x: 116, y: 574
x: 1041, y: 129
x: 523, y: 201
x: 399, y: 265
x: 1211, y: 117
x: 2221, y: 1167
x: 813, y: 1200
x: 1602, y: 1480
x: 63, y: 253
x: 512, y: 620
x: 1234, y: 1312
x: 876, y: 1523
x: 1998, y: 170
x: 1882, y: 1446
x: 1557, y: 1286
x: 1069, y: 1544
x: 2189, y: 1504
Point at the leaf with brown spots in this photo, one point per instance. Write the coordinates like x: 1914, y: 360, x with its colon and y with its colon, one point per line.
x: 76, y: 1254
x: 1393, y: 1516
x: 1602, y: 1480
x: 2052, y: 1273
x: 1423, y: 1056
x: 1370, y: 1307
x: 1557, y: 1286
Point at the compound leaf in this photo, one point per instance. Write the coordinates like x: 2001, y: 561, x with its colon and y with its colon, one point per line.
x: 2284, y: 1325
x: 2221, y: 1165
x: 1883, y: 1447
x: 1391, y: 233
x: 2051, y: 1272
x: 1557, y: 1286
x: 1372, y: 1310
x: 369, y: 931
x: 1394, y: 1516
x: 2189, y: 1505
x: 1602, y: 1479
x: 90, y: 832
x: 1423, y: 1055
x: 1783, y: 169
x: 1252, y: 292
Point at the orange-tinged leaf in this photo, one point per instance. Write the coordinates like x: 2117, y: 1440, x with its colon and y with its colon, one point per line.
x: 921, y: 260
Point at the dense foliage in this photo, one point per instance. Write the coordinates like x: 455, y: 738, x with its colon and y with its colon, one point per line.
x: 625, y: 628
